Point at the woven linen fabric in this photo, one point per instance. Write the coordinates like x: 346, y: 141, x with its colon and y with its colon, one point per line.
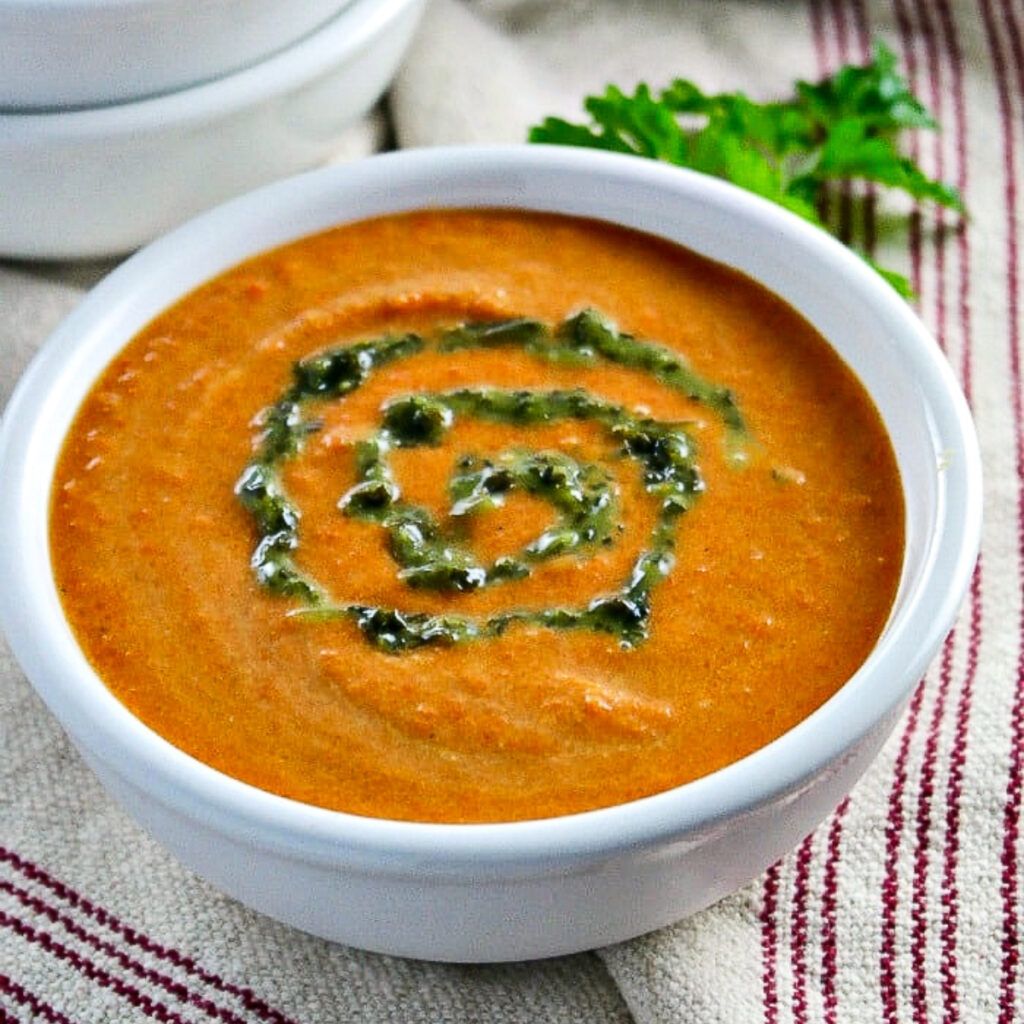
x: 905, y: 905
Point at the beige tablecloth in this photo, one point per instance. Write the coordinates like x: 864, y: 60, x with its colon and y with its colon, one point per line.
x: 905, y: 905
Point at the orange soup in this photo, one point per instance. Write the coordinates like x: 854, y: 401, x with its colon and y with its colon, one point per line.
x: 474, y: 516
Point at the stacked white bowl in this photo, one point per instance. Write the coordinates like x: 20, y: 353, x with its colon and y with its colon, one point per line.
x: 121, y: 118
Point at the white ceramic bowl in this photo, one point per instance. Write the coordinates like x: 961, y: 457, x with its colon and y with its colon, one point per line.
x: 104, y: 180
x: 524, y: 889
x: 79, y: 53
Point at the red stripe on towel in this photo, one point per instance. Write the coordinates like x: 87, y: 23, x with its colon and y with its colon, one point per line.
x: 798, y: 929
x: 138, y: 940
x: 36, y: 1006
x: 148, y: 1005
x: 890, y: 882
x: 817, y: 23
x: 949, y: 889
x: 909, y: 61
x: 829, y: 921
x: 769, y: 944
x: 950, y: 894
x: 173, y: 988
x: 922, y: 842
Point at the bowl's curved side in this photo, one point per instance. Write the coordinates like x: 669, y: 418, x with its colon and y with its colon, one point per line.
x: 491, y: 912
x: 140, y: 169
x: 626, y: 869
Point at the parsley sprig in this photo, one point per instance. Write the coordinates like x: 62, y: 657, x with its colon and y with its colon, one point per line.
x: 846, y: 127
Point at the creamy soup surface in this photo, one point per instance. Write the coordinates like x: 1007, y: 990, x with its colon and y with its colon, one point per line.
x: 448, y: 625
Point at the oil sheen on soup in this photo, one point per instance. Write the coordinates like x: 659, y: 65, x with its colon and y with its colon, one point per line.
x: 476, y: 516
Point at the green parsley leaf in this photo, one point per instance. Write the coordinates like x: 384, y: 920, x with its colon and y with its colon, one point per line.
x: 844, y: 128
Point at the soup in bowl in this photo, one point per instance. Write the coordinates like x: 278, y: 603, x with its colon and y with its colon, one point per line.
x: 486, y: 554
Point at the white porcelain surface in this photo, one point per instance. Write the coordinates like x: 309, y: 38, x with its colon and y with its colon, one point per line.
x: 78, y: 53
x: 526, y: 889
x: 104, y: 181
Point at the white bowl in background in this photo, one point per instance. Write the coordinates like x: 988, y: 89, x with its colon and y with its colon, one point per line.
x: 105, y: 180
x: 81, y: 53
x: 531, y: 888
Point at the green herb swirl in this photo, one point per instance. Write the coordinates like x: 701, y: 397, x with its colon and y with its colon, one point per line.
x: 427, y: 555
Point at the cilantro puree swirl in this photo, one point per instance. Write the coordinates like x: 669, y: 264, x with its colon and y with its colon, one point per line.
x: 429, y: 554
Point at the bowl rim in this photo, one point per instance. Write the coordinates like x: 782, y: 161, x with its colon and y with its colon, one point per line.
x: 782, y: 768
x: 330, y: 45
